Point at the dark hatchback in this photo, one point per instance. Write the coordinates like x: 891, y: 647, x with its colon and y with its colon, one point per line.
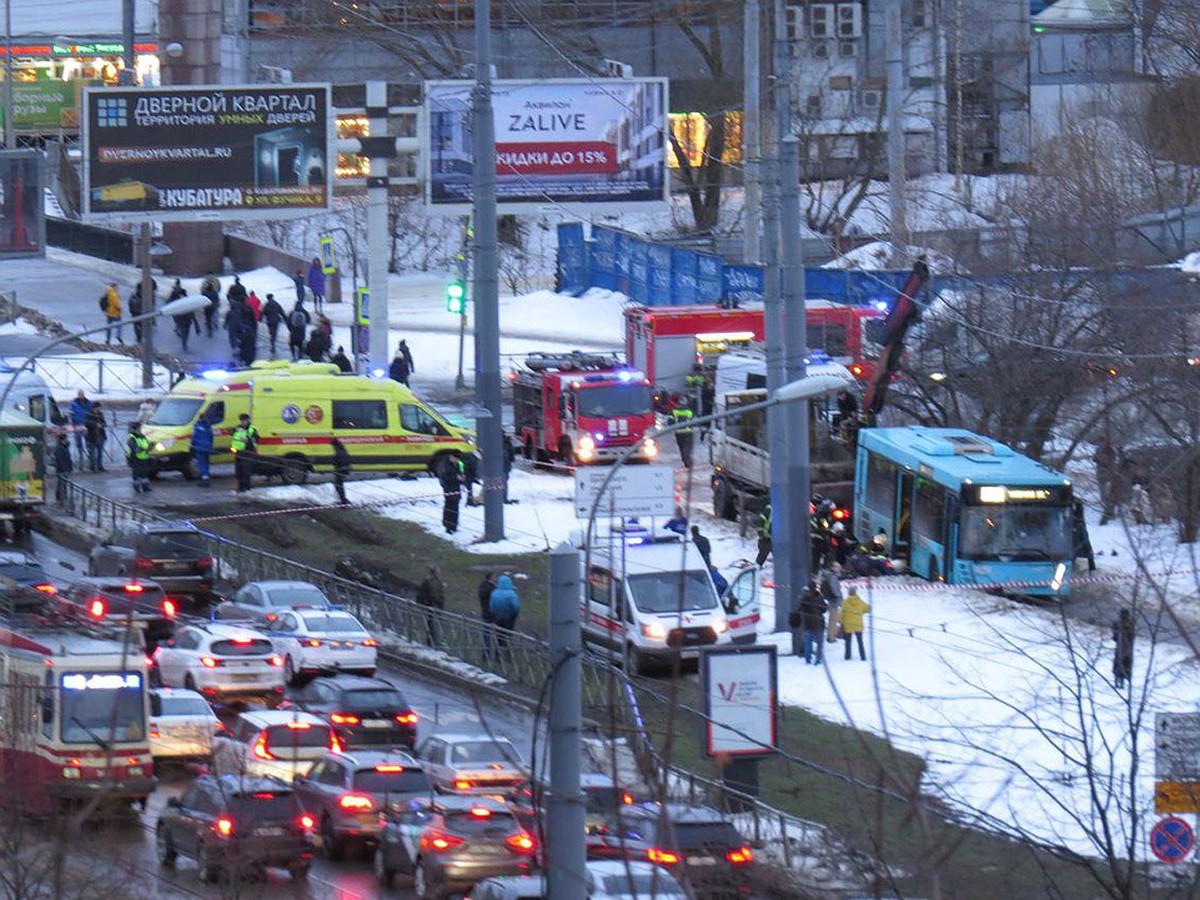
x: 236, y: 826
x: 365, y: 712
x: 174, y: 554
x: 697, y: 844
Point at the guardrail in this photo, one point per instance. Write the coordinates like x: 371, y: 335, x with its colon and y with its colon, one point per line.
x: 522, y: 659
x: 97, y: 375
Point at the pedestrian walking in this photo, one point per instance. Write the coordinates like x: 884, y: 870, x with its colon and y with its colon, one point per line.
x: 319, y: 341
x: 342, y: 361
x: 255, y: 305
x: 1123, y: 634
x: 681, y: 417
x: 470, y: 476
x: 398, y: 370
x: 233, y: 325
x: 185, y: 322
x: 63, y: 468
x: 110, y: 303
x: 510, y: 455
x: 78, y: 412
x: 811, y: 618
x: 316, y: 283
x: 210, y: 290
x: 850, y: 617
x: 298, y: 320
x: 341, y: 470
x: 1081, y: 543
x: 237, y: 291
x: 820, y: 530
x: 485, y: 610
x: 247, y: 334
x: 431, y: 594
x: 450, y: 474
x: 273, y: 315
x: 202, y: 446
x: 96, y: 431
x: 764, y: 536
x: 137, y: 304
x: 244, y: 444
x: 704, y: 545
x: 298, y: 281
x: 137, y: 452
x: 505, y: 607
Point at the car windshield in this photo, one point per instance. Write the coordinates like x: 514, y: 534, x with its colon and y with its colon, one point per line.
x: 176, y: 411
x: 484, y: 752
x: 381, y: 698
x: 184, y: 706
x: 391, y: 780
x: 1012, y: 532
x: 246, y: 646
x: 668, y: 592
x: 300, y: 595
x: 102, y: 707
x: 173, y: 544
x: 656, y: 884
x: 607, y: 401
x: 323, y: 624
x: 480, y: 822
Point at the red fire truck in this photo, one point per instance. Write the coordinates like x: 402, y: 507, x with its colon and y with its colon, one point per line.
x: 666, y: 342
x: 581, y: 408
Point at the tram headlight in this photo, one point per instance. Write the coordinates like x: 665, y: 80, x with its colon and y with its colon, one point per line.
x: 70, y: 772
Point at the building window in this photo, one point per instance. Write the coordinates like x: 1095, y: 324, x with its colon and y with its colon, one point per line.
x: 918, y: 13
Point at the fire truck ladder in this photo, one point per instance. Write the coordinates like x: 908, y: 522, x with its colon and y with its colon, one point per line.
x: 575, y: 361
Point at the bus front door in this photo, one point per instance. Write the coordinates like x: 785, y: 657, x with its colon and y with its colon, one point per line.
x: 902, y: 543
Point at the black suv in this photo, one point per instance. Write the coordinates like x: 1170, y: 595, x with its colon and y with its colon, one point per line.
x: 237, y: 827
x: 175, y: 554
x: 115, y: 599
x: 698, y: 844
x: 363, y: 711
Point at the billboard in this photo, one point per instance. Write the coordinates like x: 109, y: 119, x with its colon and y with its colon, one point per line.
x: 600, y: 142
x: 22, y: 215
x: 193, y: 153
x: 740, y: 691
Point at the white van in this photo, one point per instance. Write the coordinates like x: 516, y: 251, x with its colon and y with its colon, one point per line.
x: 649, y: 598
x: 31, y: 396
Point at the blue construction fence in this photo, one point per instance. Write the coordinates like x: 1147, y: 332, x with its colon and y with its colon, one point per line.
x: 653, y: 274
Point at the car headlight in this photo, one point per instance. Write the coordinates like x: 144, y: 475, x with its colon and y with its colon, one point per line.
x: 164, y: 445
x: 587, y: 443
x: 720, y: 626
x: 649, y: 448
x: 654, y: 631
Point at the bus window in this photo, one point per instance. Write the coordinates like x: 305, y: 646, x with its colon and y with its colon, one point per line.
x: 881, y: 485
x: 418, y: 420
x: 359, y: 414
x: 931, y: 506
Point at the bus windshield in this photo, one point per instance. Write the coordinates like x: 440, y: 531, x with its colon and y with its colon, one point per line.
x: 176, y: 411
x: 1012, y: 532
x: 607, y: 401
x: 102, y: 708
x: 668, y: 592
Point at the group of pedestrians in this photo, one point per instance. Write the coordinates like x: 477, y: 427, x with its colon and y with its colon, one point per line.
x: 845, y: 623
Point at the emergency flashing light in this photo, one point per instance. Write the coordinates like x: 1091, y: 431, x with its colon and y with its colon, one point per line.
x: 456, y: 297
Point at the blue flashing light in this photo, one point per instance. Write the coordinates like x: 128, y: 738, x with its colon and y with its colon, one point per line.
x: 881, y: 305
x: 214, y: 373
x: 599, y: 436
x: 377, y: 373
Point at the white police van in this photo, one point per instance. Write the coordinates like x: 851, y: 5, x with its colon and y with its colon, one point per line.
x: 648, y: 598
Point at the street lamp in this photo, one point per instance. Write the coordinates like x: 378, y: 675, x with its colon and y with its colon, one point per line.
x: 180, y: 307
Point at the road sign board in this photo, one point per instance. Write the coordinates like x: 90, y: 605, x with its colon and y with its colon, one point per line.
x: 1177, y: 797
x: 1172, y: 839
x: 1177, y: 747
x: 633, y: 491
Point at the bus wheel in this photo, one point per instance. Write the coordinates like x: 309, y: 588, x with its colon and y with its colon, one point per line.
x: 294, y: 470
x: 722, y: 499
x: 934, y: 570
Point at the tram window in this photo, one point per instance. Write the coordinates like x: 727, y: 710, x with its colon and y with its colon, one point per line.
x: 47, y: 705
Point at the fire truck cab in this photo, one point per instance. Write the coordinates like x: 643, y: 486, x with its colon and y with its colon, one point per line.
x: 581, y: 408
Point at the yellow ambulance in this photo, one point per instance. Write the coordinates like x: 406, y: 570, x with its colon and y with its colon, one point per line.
x: 298, y: 408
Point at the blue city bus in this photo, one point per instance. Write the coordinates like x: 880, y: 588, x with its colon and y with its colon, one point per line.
x: 962, y: 508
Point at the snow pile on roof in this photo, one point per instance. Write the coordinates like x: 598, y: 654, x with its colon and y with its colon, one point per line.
x: 878, y: 255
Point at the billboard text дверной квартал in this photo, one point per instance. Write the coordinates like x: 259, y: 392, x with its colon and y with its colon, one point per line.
x: 180, y: 153
x: 601, y: 141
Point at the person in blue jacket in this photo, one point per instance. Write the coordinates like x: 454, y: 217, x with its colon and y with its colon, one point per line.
x: 78, y: 411
x: 504, y: 607
x: 202, y: 444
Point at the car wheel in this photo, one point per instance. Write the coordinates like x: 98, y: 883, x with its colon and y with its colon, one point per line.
x: 289, y: 670
x: 298, y: 871
x: 208, y: 866
x: 163, y: 847
x: 190, y: 469
x: 634, y: 664
x: 294, y: 470
x: 383, y: 874
x: 421, y: 885
x: 189, y: 682
x: 330, y: 845
x: 155, y: 677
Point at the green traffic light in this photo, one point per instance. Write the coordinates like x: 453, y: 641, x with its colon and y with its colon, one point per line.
x: 456, y: 297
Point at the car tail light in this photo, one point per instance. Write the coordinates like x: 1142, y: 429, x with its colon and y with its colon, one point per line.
x: 521, y: 842
x: 223, y: 826
x: 387, y: 768
x: 627, y: 798
x: 154, y: 732
x: 344, y: 719
x: 436, y: 840
x: 143, y: 564
x: 46, y: 588
x: 856, y: 370
x: 97, y: 609
x: 356, y: 803
x: 662, y: 857
x: 242, y: 641
x: 133, y: 587
x: 276, y: 660
x: 311, y: 642
x: 260, y: 748
x: 169, y: 609
x: 271, y: 617
x: 307, y: 822
x: 370, y: 642
x: 149, y: 661
x: 335, y: 746
x: 740, y: 856
x: 481, y: 812
x: 299, y: 726
x: 209, y: 663
x: 408, y: 718
x: 462, y: 784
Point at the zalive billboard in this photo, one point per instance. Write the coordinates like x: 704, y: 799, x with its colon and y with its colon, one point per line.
x: 598, y: 143
x: 741, y: 688
x: 194, y: 153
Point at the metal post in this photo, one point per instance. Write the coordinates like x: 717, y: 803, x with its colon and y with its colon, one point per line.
x: 895, y: 125
x: 10, y: 131
x: 143, y: 251
x: 565, y: 851
x: 128, y: 36
x: 795, y: 566
x: 487, y: 286
x: 751, y: 141
x: 377, y: 237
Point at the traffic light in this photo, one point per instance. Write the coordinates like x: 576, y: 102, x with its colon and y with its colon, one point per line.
x: 456, y: 297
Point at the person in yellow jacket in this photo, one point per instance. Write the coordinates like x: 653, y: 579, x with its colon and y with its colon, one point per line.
x: 112, y: 312
x: 853, y: 609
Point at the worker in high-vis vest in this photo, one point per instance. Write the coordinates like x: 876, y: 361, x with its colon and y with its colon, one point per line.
x: 243, y: 442
x: 764, y: 535
x: 681, y: 418
x: 137, y: 452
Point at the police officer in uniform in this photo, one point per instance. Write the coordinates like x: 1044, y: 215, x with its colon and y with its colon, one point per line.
x: 244, y: 443
x: 137, y: 451
x: 681, y: 416
x: 451, y: 475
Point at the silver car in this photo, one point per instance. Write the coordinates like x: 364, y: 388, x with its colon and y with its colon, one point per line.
x: 182, y: 724
x: 472, y: 764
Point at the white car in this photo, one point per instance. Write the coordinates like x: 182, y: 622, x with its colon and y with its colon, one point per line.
x: 273, y: 743
x: 182, y: 724
x: 316, y: 640
x: 224, y: 661
x: 263, y: 601
x: 616, y: 879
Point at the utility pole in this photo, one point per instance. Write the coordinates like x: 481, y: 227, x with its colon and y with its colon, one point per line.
x: 565, y: 851
x: 751, y: 139
x: 143, y: 238
x: 796, y: 480
x: 895, y: 124
x: 377, y: 219
x: 487, y: 285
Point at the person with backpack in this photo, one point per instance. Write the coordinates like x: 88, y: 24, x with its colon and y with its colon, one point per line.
x: 244, y: 444
x: 298, y: 320
x: 110, y: 305
x: 272, y: 314
x: 505, y: 607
